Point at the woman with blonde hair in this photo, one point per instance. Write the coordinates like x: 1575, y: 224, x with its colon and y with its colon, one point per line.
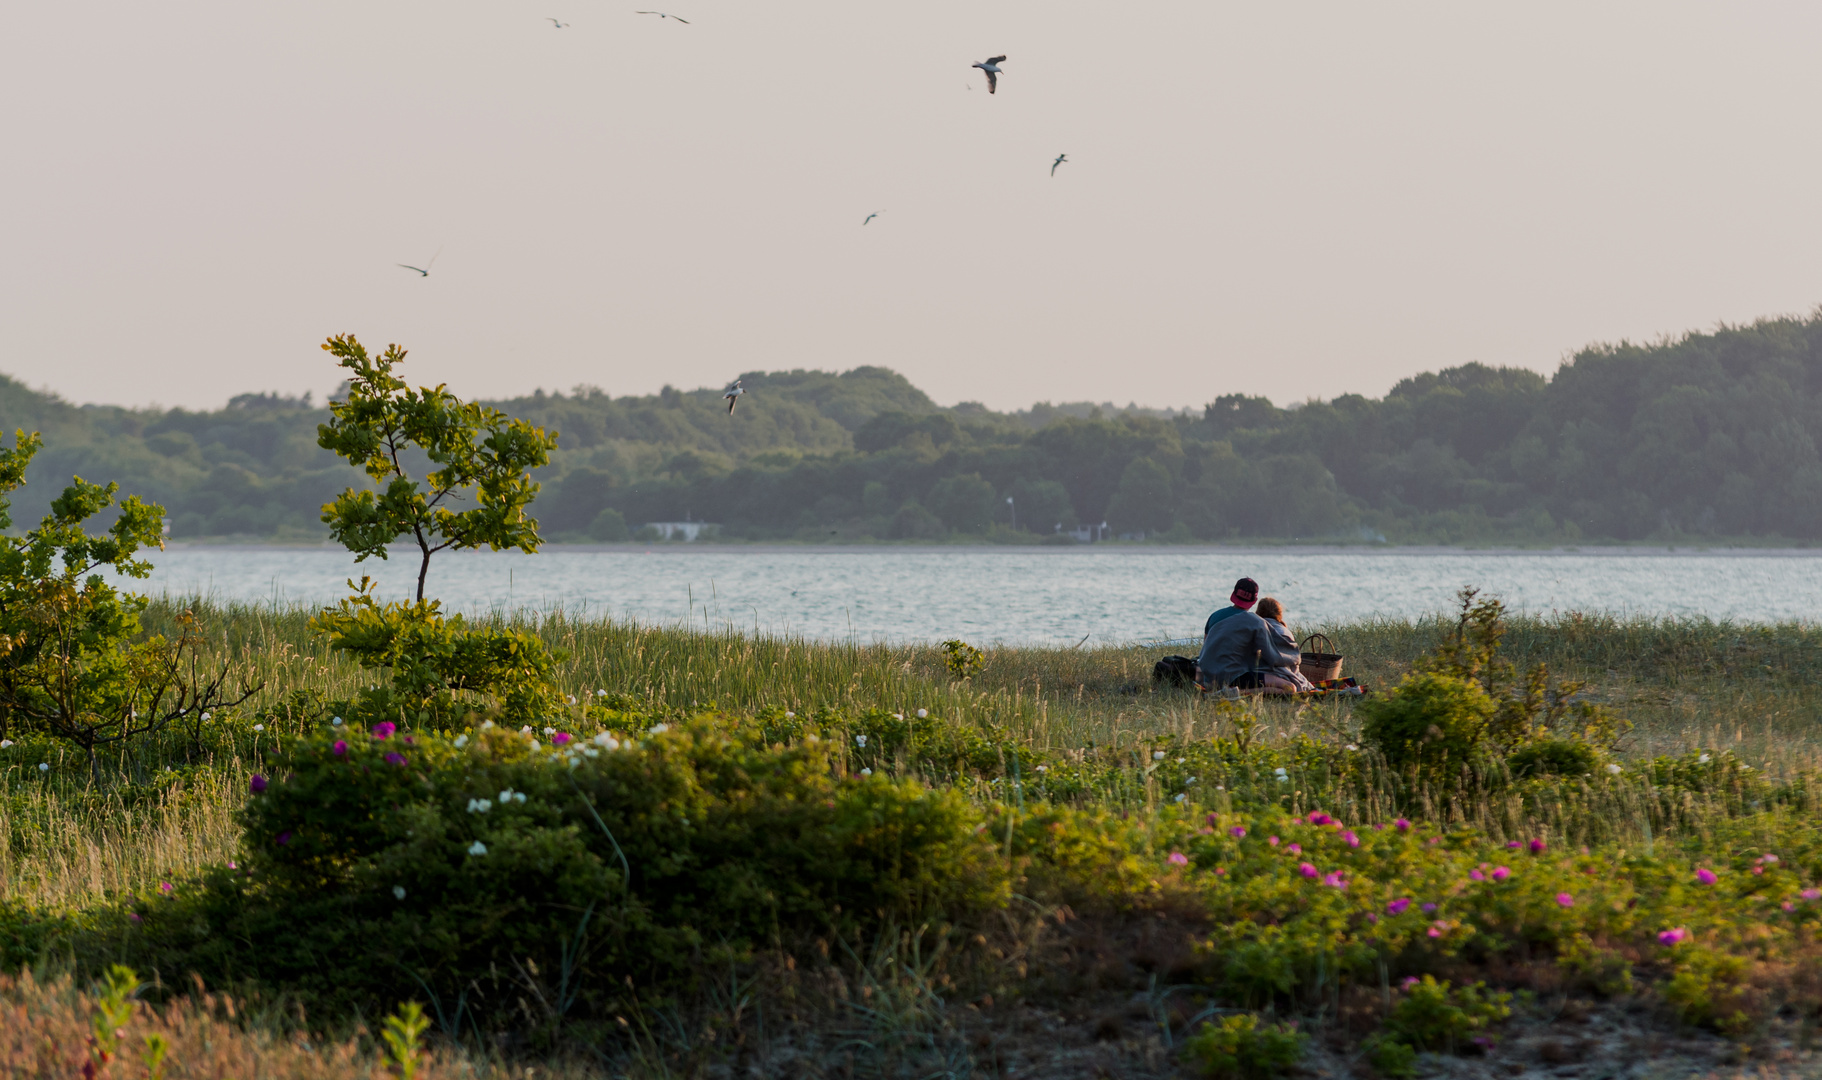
x: 1287, y: 678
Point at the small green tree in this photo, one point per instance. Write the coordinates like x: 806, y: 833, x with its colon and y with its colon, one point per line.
x: 72, y: 665
x: 477, y: 453
x: 438, y: 665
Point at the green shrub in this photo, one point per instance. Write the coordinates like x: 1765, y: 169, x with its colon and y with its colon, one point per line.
x: 1554, y: 757
x: 1389, y: 1057
x: 498, y: 865
x: 1239, y: 1048
x: 1433, y: 1016
x: 1430, y: 723
x: 1709, y: 990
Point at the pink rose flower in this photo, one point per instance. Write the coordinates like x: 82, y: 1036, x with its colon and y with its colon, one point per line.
x: 1811, y: 894
x: 1295, y: 849
x: 1565, y: 900
x: 257, y: 784
x: 1272, y: 840
x: 1705, y: 875
x: 1477, y: 875
x: 1236, y: 832
x: 559, y: 738
x: 1320, y: 818
x: 1673, y: 937
x: 1402, y: 825
x: 384, y: 729
x: 1538, y: 846
x: 1429, y: 909
x: 395, y: 759
x: 1398, y: 906
x: 340, y: 748
x: 1307, y: 870
x: 1500, y: 873
x: 1177, y: 858
x: 1353, y: 841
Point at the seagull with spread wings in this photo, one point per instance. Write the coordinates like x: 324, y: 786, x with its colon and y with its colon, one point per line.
x: 992, y: 68
x: 558, y: 23
x: 733, y: 396
x: 663, y: 15
x: 873, y: 215
x: 425, y: 270
x: 1061, y: 158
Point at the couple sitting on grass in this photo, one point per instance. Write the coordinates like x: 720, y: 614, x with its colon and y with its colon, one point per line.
x: 1248, y: 651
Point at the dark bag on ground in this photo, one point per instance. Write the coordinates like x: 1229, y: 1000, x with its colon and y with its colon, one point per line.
x: 1175, y: 671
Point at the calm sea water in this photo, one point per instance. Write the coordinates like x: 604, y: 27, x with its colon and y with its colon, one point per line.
x: 1032, y: 596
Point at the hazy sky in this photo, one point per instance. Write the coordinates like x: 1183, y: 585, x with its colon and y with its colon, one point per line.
x: 1288, y: 199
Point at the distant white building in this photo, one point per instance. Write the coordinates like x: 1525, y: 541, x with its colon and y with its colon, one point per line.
x: 687, y: 531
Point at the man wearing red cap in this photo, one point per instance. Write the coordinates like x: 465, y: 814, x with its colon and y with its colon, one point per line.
x: 1237, y: 646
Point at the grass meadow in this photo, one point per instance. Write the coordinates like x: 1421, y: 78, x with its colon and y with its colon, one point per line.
x: 68, y: 842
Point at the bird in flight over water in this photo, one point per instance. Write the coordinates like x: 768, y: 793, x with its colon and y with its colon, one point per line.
x: 992, y: 68
x: 733, y: 396
x: 662, y: 15
x: 559, y: 24
x: 873, y: 215
x: 1060, y: 159
x: 425, y: 270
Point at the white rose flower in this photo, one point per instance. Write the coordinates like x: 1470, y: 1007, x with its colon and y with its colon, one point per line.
x: 477, y: 848
x: 1614, y: 770
x: 1157, y: 755
x: 789, y: 715
x: 1180, y: 797
x: 550, y: 731
x: 259, y: 727
x: 485, y: 724
x: 921, y: 713
x: 866, y: 772
x: 506, y: 796
x: 659, y: 729
x: 601, y: 693
x: 4, y: 743
x: 44, y: 766
x: 398, y: 891
x: 1703, y: 760
x: 205, y: 716
x: 862, y: 740
x: 461, y: 741
x: 336, y: 722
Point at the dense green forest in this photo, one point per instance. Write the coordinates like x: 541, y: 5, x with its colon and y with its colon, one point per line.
x: 1710, y: 436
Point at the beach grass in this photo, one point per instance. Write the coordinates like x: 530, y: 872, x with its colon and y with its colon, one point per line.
x: 1683, y: 685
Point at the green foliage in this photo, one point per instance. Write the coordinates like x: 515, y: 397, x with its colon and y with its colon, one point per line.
x: 561, y: 865
x: 1389, y: 1057
x: 1431, y: 724
x: 440, y: 668
x: 1464, y: 703
x: 403, y: 1035
x: 152, y: 1057
x: 114, y: 1006
x: 479, y: 454
x: 1710, y: 989
x: 963, y: 660
x: 73, y: 665
x: 1707, y: 436
x: 1433, y: 1016
x: 1240, y: 1048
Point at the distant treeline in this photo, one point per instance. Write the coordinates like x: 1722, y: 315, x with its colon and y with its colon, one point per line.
x: 1706, y: 437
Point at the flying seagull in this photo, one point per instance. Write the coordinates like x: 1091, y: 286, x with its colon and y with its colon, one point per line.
x: 555, y: 22
x: 733, y: 395
x: 992, y: 68
x: 1060, y: 159
x: 424, y: 271
x: 871, y: 216
x: 662, y: 15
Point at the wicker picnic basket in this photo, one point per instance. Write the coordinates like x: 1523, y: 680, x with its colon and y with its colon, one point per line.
x: 1317, y: 666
